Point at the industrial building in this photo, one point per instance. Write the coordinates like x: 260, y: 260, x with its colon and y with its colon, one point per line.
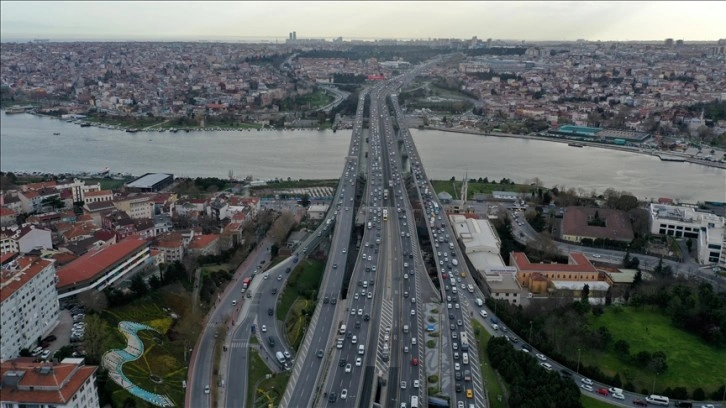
x: 481, y: 246
x: 577, y: 224
x: 151, y: 182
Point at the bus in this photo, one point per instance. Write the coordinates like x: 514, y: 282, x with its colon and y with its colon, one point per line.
x: 246, y: 283
x: 385, y: 214
x: 464, y: 341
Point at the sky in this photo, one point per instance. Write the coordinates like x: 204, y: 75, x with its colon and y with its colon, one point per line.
x: 507, y: 20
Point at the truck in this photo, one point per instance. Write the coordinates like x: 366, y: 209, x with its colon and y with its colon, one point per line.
x: 414, y: 401
x: 479, y: 302
x: 246, y: 283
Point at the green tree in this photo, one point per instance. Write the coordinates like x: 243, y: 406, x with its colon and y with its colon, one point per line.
x: 138, y: 286
x: 97, y: 338
x: 585, y: 294
x: 622, y: 347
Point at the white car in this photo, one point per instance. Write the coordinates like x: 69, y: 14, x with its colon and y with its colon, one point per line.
x: 416, y: 384
x: 266, y: 276
x: 348, y: 369
x: 358, y: 362
x: 344, y: 250
x: 360, y: 312
x: 586, y: 387
x: 413, y: 312
x: 344, y: 393
x: 596, y: 256
x: 370, y: 295
x: 206, y: 389
x: 355, y: 296
x: 541, y: 357
x: 586, y: 381
x: 618, y: 396
x: 457, y: 366
x: 413, y: 341
x: 352, y: 312
x: 264, y: 328
x: 403, y: 385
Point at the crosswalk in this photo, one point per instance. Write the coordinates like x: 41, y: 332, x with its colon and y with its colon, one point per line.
x: 238, y: 344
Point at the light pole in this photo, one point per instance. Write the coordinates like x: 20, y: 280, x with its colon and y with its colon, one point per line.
x: 654, y: 378
x: 530, y: 332
x: 578, y: 361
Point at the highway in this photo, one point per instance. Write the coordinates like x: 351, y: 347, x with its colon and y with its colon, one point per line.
x: 314, y: 356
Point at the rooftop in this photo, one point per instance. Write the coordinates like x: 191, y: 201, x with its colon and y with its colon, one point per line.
x: 617, y: 224
x: 26, y: 382
x: 148, y: 180
x: 17, y: 273
x: 577, y: 263
x: 96, y: 261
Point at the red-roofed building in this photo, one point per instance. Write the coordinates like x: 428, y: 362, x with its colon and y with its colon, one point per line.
x: 97, y: 196
x: 38, y: 186
x: 7, y: 217
x: 28, y: 304
x: 579, y: 223
x: 530, y: 275
x: 204, y: 245
x: 69, y: 383
x: 231, y: 236
x: 171, y: 245
x: 24, y: 239
x: 101, y: 267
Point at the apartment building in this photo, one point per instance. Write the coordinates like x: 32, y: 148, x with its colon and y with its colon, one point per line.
x: 68, y: 384
x: 28, y: 304
x: 135, y: 205
x: 24, y: 239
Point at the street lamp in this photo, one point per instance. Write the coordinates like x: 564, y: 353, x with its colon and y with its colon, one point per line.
x: 578, y: 361
x: 530, y: 332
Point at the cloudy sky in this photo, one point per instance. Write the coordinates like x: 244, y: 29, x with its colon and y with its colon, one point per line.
x: 521, y: 20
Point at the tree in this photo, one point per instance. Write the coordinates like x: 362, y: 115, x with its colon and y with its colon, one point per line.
x: 622, y: 347
x: 585, y: 294
x: 96, y: 338
x: 305, y: 202
x: 281, y: 227
x: 93, y: 300
x: 138, y: 286
x: 637, y: 278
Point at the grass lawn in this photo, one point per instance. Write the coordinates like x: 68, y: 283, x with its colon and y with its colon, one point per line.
x: 494, y: 388
x: 297, y: 184
x: 589, y: 402
x: 691, y: 362
x: 304, y: 278
x: 296, y: 322
x: 475, y: 188
x: 257, y: 371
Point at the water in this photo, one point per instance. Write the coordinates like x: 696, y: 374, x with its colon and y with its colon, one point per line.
x: 27, y: 144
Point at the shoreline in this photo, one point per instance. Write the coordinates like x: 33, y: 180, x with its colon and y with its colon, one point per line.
x: 662, y: 155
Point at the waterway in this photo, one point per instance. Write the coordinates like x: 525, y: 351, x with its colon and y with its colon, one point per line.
x: 27, y: 144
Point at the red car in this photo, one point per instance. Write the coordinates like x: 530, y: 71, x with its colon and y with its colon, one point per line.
x: 414, y: 361
x: 603, y: 391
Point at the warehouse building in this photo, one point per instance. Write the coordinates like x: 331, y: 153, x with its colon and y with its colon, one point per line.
x: 151, y: 182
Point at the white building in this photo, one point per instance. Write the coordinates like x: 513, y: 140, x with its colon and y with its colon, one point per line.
x: 481, y: 247
x: 317, y: 211
x: 706, y: 229
x: 78, y: 188
x: 28, y: 304
x: 68, y: 384
x: 24, y: 239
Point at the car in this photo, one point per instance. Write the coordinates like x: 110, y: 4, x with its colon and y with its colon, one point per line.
x: 264, y: 328
x: 403, y: 385
x: 457, y: 366
x: 287, y: 270
x: 342, y: 362
x: 287, y: 355
x: 352, y: 312
x: 266, y: 276
x: 344, y: 251
x: 586, y: 387
x: 618, y: 396
x: 332, y: 397
x: 586, y: 381
x: 708, y: 406
x: 564, y: 372
x: 335, y: 266
x: 274, y: 291
x: 360, y: 312
x: 456, y: 355
x: 596, y: 256
x: 469, y: 393
x: 416, y: 383
x: 414, y: 361
x: 457, y: 375
x: 348, y: 368
x: 320, y: 353
x: 413, y: 312
x: 370, y: 295
x: 354, y: 339
x: 460, y: 404
x: 413, y: 341
x: 459, y: 322
x: 458, y: 388
x: 455, y: 345
x: 358, y: 361
x: 206, y: 389
x: 640, y: 403
x: 366, y: 317
x: 355, y: 296
x: 541, y: 357
x: 45, y: 354
x: 50, y: 338
x: 405, y: 294
x: 270, y: 312
x: 344, y: 393
x: 451, y: 316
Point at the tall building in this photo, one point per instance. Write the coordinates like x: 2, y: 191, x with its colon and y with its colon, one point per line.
x: 668, y: 42
x: 28, y: 304
x: 69, y: 384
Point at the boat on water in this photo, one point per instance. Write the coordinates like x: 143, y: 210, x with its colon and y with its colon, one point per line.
x: 573, y: 144
x: 134, y: 130
x: 56, y: 133
x: 105, y: 172
x: 85, y: 124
